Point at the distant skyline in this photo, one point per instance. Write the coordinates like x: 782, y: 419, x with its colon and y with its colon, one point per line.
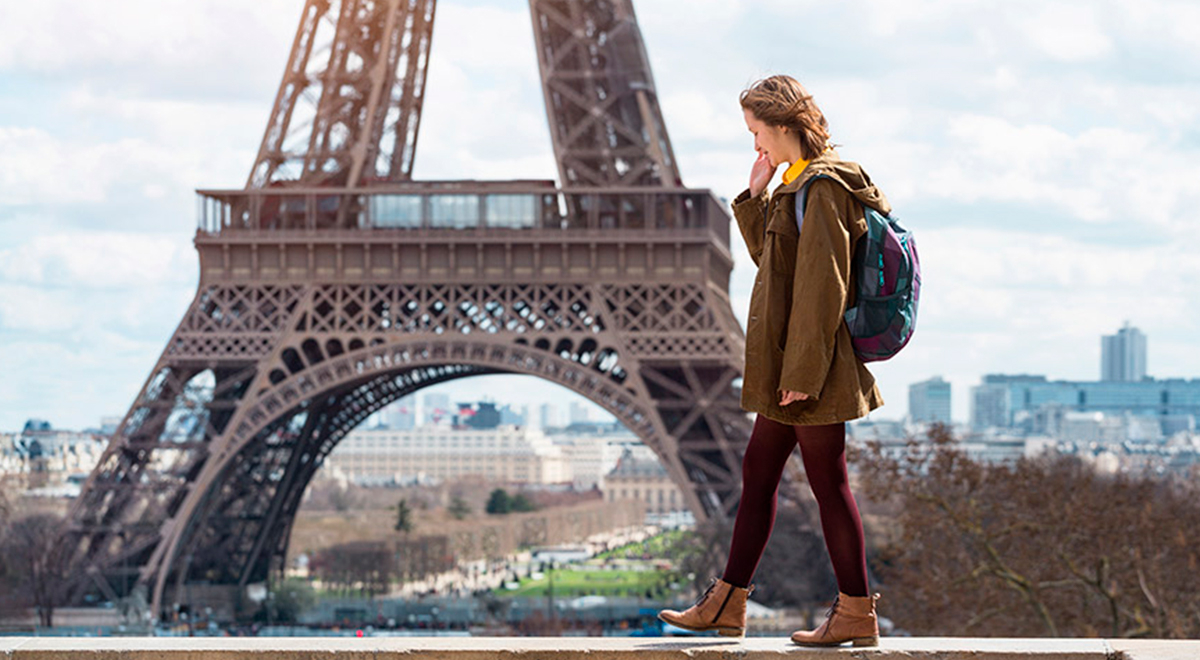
x: 1045, y: 154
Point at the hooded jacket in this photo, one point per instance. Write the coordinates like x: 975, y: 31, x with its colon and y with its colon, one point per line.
x: 796, y: 338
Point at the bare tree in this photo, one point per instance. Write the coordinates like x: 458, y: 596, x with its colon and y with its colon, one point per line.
x: 1037, y: 547
x: 32, y: 562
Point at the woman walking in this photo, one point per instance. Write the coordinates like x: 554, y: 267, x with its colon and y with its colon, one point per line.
x: 802, y: 377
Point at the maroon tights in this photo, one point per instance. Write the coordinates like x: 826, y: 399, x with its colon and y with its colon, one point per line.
x: 823, y: 449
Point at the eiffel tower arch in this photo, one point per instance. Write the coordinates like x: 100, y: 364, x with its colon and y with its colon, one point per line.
x: 333, y: 284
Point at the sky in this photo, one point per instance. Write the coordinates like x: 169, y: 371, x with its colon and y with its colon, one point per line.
x: 1045, y: 154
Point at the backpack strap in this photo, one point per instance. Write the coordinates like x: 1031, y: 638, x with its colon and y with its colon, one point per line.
x: 802, y: 200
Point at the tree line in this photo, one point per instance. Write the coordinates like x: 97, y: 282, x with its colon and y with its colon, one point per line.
x: 1042, y: 546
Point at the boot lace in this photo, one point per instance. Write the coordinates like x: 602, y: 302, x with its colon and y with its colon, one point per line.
x: 712, y: 584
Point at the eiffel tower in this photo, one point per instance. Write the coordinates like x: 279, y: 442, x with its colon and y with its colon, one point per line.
x: 333, y: 284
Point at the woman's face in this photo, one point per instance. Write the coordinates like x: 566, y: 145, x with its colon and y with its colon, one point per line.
x: 774, y: 141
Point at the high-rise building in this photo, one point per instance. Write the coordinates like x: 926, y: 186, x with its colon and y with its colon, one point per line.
x: 989, y: 406
x: 579, y: 413
x: 1123, y: 355
x: 548, y: 415
x: 929, y: 401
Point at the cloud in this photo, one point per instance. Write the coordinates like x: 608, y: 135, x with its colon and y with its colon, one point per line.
x: 187, y: 48
x: 1070, y: 32
x: 99, y: 260
x: 83, y: 316
x: 1089, y: 176
x: 39, y: 168
x: 71, y: 384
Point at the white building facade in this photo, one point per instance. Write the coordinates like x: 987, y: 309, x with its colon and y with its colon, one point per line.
x: 508, y: 454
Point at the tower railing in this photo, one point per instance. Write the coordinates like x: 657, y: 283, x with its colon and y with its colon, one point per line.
x: 459, y: 205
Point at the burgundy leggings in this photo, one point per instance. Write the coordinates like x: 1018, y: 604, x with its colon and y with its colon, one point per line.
x: 823, y: 449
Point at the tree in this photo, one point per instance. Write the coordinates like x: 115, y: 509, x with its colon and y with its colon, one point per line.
x: 521, y: 504
x: 368, y: 567
x: 33, y: 561
x: 498, y: 502
x: 342, y: 499
x: 459, y: 508
x: 404, y: 521
x: 1038, y: 547
x: 289, y: 600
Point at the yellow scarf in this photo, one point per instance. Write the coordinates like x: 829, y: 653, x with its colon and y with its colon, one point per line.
x: 797, y: 167
x: 794, y: 171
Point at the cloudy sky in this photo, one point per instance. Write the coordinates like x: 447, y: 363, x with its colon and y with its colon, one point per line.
x: 1047, y: 155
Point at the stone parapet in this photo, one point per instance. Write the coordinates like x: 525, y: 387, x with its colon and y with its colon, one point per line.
x: 571, y: 648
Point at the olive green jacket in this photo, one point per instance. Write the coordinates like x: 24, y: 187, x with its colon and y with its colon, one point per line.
x: 796, y: 338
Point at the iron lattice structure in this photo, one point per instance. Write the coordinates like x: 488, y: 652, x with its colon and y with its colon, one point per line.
x: 333, y: 285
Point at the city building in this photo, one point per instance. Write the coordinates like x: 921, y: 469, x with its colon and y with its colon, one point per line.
x: 50, y: 458
x: 1011, y: 400
x: 1174, y: 424
x: 516, y: 417
x: 579, y: 413
x: 1091, y: 429
x: 641, y: 476
x: 997, y: 447
x: 548, y: 415
x: 867, y: 429
x: 1123, y: 355
x: 402, y: 415
x: 929, y: 401
x: 436, y: 409
x: 989, y: 406
x: 481, y: 415
x: 591, y: 456
x: 508, y: 454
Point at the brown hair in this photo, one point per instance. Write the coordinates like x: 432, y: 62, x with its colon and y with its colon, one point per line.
x: 782, y: 101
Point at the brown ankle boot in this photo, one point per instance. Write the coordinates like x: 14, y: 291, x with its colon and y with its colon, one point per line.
x: 722, y: 607
x: 851, y: 619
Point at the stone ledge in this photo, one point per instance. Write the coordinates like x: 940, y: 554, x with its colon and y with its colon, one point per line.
x: 596, y: 648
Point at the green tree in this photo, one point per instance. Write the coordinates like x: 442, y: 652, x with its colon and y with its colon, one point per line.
x: 290, y: 599
x: 404, y: 521
x: 459, y: 508
x: 520, y: 504
x: 498, y: 502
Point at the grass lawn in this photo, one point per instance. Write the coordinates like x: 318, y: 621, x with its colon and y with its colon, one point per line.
x: 655, y: 546
x: 570, y: 583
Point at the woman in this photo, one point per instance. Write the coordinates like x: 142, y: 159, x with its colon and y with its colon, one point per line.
x: 802, y: 378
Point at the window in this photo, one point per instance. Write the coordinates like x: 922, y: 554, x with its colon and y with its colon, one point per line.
x: 454, y: 211
x: 396, y: 211
x: 511, y: 210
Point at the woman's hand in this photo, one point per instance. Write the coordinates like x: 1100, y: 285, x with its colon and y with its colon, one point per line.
x: 760, y: 174
x: 790, y: 396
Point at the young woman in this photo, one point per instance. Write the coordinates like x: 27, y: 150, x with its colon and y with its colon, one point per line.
x: 802, y: 378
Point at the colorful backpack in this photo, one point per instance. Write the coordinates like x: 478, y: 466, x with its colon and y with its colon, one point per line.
x: 889, y: 284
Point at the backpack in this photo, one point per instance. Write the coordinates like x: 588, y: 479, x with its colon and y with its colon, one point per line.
x: 888, y: 274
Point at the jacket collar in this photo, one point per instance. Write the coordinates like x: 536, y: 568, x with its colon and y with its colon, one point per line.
x: 815, y: 166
